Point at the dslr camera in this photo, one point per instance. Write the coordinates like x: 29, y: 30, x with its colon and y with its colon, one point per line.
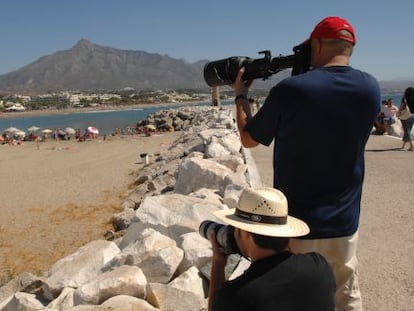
x: 224, y: 71
x: 224, y: 235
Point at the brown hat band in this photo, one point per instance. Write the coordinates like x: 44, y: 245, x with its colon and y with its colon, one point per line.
x: 275, y: 220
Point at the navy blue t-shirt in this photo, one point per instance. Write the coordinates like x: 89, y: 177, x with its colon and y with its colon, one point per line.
x: 321, y: 121
x: 284, y: 282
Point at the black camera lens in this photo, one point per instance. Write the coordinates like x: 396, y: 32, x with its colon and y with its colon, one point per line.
x: 224, y: 71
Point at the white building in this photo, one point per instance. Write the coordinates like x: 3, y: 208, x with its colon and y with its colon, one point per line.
x: 74, y: 99
x: 15, y: 107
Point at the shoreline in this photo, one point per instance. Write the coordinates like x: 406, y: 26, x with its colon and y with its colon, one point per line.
x: 49, y: 112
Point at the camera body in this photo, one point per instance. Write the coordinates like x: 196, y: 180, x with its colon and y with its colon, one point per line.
x: 224, y: 235
x: 224, y: 71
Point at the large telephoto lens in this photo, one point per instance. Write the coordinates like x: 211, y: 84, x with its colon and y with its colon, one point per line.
x: 223, y: 71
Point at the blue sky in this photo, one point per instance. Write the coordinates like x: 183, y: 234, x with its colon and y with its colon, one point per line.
x: 210, y: 29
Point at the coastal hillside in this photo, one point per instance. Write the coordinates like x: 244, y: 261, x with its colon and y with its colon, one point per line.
x: 88, y: 66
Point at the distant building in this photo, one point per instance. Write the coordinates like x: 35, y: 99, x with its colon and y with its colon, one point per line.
x: 74, y: 100
x: 15, y: 107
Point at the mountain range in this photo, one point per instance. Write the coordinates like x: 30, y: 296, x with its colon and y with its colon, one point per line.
x: 88, y: 67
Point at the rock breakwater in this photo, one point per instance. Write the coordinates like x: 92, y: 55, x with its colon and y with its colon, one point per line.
x: 154, y: 259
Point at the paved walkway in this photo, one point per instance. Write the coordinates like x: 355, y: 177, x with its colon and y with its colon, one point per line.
x: 386, y: 246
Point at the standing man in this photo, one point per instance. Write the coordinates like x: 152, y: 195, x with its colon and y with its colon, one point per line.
x: 320, y: 121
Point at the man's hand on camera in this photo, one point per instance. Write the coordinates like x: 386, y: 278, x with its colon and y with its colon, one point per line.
x: 217, y: 276
x: 239, y: 86
x: 219, y: 257
x: 243, y: 110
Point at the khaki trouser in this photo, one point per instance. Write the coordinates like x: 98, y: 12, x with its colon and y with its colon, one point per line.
x: 341, y: 255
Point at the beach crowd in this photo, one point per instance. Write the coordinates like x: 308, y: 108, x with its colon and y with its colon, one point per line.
x: 13, y: 136
x: 391, y: 118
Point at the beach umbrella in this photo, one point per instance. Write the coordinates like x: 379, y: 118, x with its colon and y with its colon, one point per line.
x: 151, y: 127
x: 20, y: 133
x: 33, y: 128
x: 62, y: 132
x: 12, y: 130
x: 93, y: 130
x: 47, y: 131
x: 70, y: 131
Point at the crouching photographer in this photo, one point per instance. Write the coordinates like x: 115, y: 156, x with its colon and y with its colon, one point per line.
x: 276, y: 278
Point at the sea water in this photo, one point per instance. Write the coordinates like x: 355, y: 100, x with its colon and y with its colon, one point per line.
x: 106, y: 121
x: 396, y: 98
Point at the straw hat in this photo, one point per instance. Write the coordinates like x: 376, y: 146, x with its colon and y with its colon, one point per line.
x: 263, y: 211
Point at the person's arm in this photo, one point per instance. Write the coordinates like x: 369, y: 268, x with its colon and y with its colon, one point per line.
x: 243, y: 112
x: 217, y: 278
x: 403, y: 105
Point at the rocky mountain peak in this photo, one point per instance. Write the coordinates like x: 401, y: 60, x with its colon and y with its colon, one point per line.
x: 88, y: 66
x: 84, y: 44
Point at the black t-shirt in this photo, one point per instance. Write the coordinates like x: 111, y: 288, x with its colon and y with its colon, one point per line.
x: 282, y: 282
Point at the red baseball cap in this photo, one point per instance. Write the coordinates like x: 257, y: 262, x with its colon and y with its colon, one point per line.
x: 330, y: 28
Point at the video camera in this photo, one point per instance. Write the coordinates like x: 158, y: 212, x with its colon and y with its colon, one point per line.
x: 224, y: 71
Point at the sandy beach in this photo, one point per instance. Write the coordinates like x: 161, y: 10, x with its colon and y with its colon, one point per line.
x: 57, y: 198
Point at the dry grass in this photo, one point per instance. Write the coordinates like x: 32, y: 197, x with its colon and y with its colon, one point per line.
x: 51, y: 234
x: 62, y: 196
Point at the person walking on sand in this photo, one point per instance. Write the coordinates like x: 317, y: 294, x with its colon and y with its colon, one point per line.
x: 321, y: 121
x: 407, y: 117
